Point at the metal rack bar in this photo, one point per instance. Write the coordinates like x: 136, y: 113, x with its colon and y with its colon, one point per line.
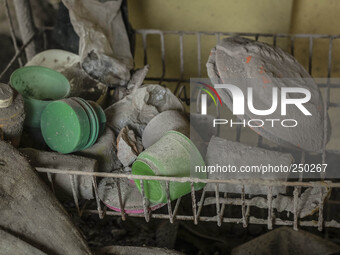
x: 193, y: 203
x: 218, y: 209
x: 270, y: 208
x: 321, y: 205
x: 243, y: 198
x: 278, y: 35
x: 310, y: 55
x: 99, y: 208
x: 263, y: 182
x: 75, y: 193
x: 121, y: 205
x: 17, y: 55
x: 145, y: 203
x: 11, y: 29
x: 199, y: 54
x: 295, y: 212
x: 169, y: 202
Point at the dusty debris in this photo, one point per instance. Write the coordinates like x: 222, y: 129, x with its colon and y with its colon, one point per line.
x: 104, y: 151
x: 132, y: 200
x: 138, y: 108
x: 307, y: 204
x: 162, y: 123
x: 128, y: 146
x: 224, y: 153
x: 62, y: 183
x: 108, y: 70
x: 12, y: 114
x: 30, y: 210
x: 127, y: 169
x: 136, y: 81
x: 252, y: 64
x: 104, y: 46
x: 285, y: 241
x: 137, y: 78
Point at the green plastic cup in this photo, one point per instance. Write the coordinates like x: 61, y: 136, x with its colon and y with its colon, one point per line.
x: 173, y: 155
x: 39, y: 86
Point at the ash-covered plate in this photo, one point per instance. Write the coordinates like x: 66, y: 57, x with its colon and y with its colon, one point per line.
x: 132, y: 199
x: 247, y: 64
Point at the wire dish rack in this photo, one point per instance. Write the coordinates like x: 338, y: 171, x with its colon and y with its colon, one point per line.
x: 156, y: 42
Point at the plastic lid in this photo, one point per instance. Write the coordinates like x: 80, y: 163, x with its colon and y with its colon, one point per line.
x: 65, y: 126
x: 101, y: 115
x: 94, y: 122
x: 6, y: 95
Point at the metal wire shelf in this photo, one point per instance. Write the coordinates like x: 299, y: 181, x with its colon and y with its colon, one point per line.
x: 243, y: 202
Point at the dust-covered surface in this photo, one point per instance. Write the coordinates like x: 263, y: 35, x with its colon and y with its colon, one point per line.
x: 285, y: 240
x: 82, y: 184
x: 251, y: 64
x: 104, y: 151
x: 163, y: 122
x: 138, y: 108
x: 224, y: 153
x: 10, y: 244
x: 132, y: 200
x: 128, y: 146
x: 27, y: 205
x: 83, y: 85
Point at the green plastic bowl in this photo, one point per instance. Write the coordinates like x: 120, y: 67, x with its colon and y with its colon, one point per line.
x: 173, y: 155
x: 39, y: 87
x: 65, y: 126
